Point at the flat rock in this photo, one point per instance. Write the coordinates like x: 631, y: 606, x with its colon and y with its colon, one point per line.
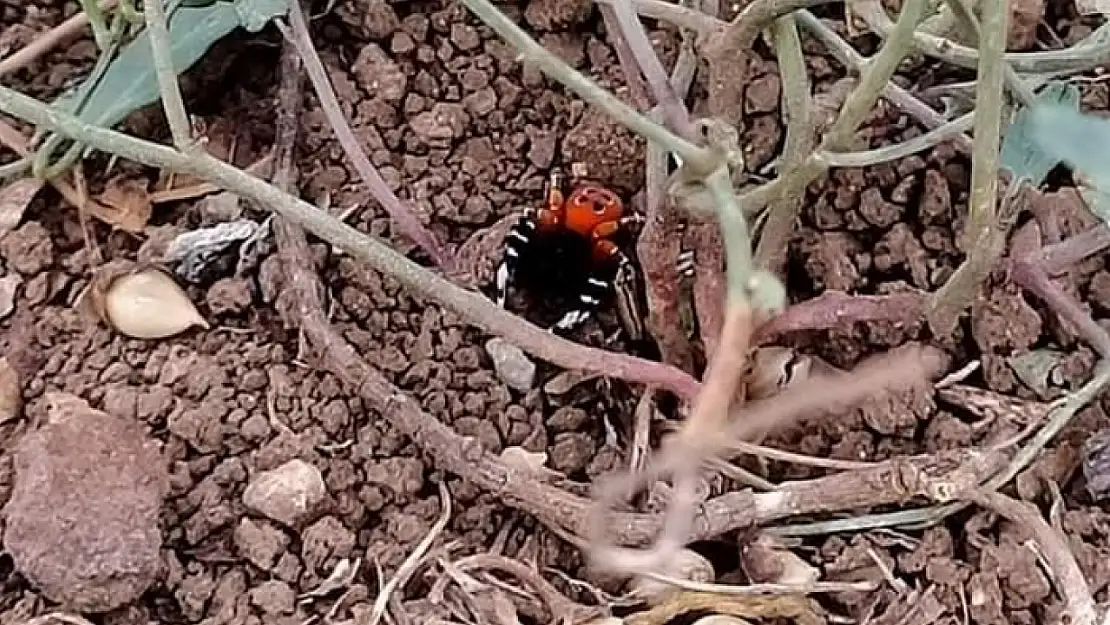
x: 290, y: 494
x: 82, y: 521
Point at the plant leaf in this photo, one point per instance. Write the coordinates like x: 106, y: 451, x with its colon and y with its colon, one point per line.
x: 255, y: 14
x: 1080, y: 140
x: 1020, y: 153
x: 129, y: 83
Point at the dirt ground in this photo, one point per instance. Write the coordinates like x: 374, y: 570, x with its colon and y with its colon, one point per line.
x: 456, y: 125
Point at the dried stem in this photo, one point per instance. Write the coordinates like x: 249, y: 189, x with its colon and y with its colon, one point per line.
x: 836, y: 309
x: 632, y: 31
x: 1079, y: 603
x: 984, y: 236
x: 700, y: 159
x: 48, y: 41
x: 405, y: 220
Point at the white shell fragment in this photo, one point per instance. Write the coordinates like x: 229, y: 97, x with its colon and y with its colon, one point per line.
x: 149, y: 304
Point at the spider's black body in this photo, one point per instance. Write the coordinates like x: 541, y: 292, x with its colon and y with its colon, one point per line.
x: 571, y: 248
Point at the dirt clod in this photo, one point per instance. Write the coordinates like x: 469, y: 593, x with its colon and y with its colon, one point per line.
x: 82, y: 522
x: 290, y: 494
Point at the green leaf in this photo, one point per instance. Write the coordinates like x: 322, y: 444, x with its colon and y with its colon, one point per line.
x: 1080, y: 140
x: 1019, y: 153
x: 130, y: 83
x: 255, y: 14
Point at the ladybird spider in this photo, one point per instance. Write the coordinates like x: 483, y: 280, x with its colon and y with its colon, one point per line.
x: 571, y: 242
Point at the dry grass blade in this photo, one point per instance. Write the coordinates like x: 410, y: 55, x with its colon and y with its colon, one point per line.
x: 408, y: 567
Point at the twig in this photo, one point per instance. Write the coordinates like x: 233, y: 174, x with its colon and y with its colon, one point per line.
x: 473, y: 307
x: 49, y: 40
x: 788, y: 608
x: 561, y: 608
x: 633, y: 77
x: 850, y: 58
x: 402, y: 216
x: 1091, y: 52
x: 984, y: 236
x: 1027, y: 270
x: 836, y: 309
x: 1063, y: 410
x: 774, y: 243
x: 172, y: 104
x: 408, y: 567
x: 700, y: 159
x: 950, y: 130
x: 749, y: 590
x: 1079, y: 603
x: 632, y: 31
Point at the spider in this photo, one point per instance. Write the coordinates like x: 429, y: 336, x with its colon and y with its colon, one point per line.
x: 573, y: 243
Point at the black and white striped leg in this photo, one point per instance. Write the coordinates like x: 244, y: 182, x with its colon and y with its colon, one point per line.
x: 593, y: 292
x: 685, y: 265
x: 516, y: 244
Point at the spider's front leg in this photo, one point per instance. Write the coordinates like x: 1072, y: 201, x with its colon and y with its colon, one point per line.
x: 519, y: 239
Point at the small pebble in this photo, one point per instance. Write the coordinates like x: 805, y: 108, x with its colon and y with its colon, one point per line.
x: 290, y: 494
x: 511, y: 364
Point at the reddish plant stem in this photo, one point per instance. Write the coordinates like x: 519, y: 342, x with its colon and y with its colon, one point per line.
x: 836, y: 309
x: 402, y: 216
x: 1028, y: 271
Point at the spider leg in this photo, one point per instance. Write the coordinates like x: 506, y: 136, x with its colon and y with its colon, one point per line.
x: 685, y: 264
x: 598, y: 284
x: 516, y: 244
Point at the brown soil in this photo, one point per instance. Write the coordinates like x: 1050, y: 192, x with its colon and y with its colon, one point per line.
x: 459, y: 128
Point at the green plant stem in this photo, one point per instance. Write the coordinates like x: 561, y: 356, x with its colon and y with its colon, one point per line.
x: 1014, y: 83
x: 880, y: 69
x: 101, y: 34
x: 700, y: 159
x: 955, y: 128
x: 172, y: 104
x: 772, y: 250
x: 984, y: 237
x: 876, y: 74
x: 1092, y: 52
x: 734, y: 232
x: 473, y: 307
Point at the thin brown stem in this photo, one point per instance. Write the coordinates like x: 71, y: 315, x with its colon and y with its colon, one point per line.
x: 402, y: 216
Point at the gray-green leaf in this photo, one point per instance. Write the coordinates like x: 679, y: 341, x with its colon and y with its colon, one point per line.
x: 255, y: 14
x: 1082, y: 141
x: 1020, y: 154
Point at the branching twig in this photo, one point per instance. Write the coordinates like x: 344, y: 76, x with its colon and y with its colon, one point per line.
x: 984, y: 235
x: 774, y: 244
x: 632, y: 31
x: 402, y: 216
